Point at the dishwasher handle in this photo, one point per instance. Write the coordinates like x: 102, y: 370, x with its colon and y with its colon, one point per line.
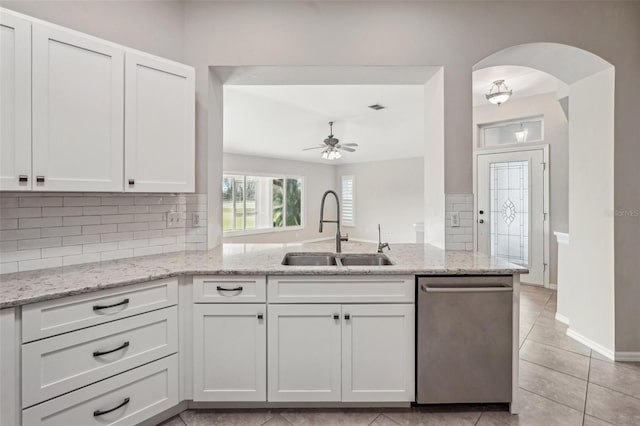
x: 469, y: 289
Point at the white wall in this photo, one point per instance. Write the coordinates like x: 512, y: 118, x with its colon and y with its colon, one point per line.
x: 556, y: 135
x: 434, y: 161
x: 591, y: 204
x: 155, y: 27
x: 389, y: 193
x: 317, y: 179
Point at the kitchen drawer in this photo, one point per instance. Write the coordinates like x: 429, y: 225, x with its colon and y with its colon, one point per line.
x: 229, y: 289
x: 60, y: 364
x: 341, y: 289
x: 141, y: 393
x: 45, y: 319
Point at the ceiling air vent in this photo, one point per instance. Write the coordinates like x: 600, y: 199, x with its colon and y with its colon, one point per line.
x: 377, y: 107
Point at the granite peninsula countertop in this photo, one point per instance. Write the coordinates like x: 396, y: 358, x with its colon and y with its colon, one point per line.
x: 241, y: 259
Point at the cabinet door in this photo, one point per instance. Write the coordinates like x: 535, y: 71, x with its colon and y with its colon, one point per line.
x: 230, y: 353
x: 159, y: 125
x: 378, y: 353
x: 15, y: 103
x: 78, y: 112
x: 304, y: 353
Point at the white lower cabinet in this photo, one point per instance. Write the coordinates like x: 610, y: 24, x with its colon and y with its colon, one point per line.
x: 350, y: 353
x: 304, y: 353
x: 378, y: 353
x: 126, y: 399
x: 230, y: 350
x: 53, y: 366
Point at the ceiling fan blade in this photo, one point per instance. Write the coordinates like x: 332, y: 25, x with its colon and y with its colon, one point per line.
x: 349, y: 144
x: 315, y: 147
x: 345, y: 148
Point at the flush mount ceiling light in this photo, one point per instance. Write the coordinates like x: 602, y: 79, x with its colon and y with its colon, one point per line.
x: 499, y: 93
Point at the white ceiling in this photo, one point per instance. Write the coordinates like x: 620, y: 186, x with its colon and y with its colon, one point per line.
x: 278, y: 121
x: 523, y: 81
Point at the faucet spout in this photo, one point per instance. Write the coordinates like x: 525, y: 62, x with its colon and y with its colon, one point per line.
x: 339, y: 237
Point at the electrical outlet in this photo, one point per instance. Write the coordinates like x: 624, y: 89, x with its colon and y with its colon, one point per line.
x: 455, y: 219
x: 173, y: 219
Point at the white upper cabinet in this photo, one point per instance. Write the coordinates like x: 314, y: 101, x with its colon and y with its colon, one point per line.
x: 159, y: 125
x: 15, y: 103
x: 78, y: 112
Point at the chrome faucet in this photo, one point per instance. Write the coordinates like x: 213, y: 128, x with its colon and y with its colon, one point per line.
x: 381, y: 245
x: 339, y: 237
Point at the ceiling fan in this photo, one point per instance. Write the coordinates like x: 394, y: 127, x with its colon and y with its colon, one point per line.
x: 332, y: 146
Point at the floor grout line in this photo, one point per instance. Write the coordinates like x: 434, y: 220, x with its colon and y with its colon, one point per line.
x: 552, y: 400
x: 584, y: 411
x: 553, y: 369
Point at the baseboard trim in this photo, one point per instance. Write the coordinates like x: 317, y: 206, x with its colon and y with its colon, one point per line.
x: 553, y: 286
x: 563, y: 319
x: 628, y: 356
x: 591, y: 344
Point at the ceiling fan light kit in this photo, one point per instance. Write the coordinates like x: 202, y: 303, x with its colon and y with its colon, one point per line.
x: 331, y: 147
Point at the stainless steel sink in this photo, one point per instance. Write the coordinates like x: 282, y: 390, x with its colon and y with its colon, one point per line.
x: 365, y: 259
x: 309, y: 259
x: 332, y: 259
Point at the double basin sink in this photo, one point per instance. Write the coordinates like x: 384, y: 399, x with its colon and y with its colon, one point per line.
x: 336, y: 259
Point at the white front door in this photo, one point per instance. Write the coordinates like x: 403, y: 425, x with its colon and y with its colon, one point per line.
x: 511, y: 209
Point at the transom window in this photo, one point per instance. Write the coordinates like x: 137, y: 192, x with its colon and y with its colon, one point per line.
x: 261, y: 203
x: 522, y: 130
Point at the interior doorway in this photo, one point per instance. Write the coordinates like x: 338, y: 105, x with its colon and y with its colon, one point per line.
x: 512, y: 209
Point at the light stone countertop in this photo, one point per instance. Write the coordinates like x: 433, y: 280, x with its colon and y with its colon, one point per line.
x: 241, y: 259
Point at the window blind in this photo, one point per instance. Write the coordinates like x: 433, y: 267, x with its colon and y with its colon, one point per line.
x: 348, y: 201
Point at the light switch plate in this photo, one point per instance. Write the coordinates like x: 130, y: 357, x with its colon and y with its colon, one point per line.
x: 455, y: 219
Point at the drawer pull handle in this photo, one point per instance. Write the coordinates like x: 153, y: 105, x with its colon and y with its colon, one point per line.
x: 23, y: 178
x: 100, y: 307
x: 260, y: 316
x: 336, y: 316
x: 219, y: 288
x: 347, y: 317
x: 119, y: 348
x: 100, y: 412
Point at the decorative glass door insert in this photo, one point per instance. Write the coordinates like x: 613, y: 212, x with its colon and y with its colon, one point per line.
x: 509, y: 212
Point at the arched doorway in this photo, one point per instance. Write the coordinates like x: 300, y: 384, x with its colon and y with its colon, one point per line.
x: 586, y: 273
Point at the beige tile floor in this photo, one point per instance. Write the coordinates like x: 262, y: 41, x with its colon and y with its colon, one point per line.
x: 562, y: 383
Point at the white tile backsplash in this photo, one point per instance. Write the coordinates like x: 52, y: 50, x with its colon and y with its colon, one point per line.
x: 46, y: 230
x: 459, y: 237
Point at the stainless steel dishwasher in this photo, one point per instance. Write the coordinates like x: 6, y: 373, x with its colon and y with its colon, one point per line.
x: 464, y: 339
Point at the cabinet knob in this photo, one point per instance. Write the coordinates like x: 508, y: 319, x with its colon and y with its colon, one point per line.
x: 481, y: 221
x: 132, y: 181
x: 260, y: 316
x: 347, y: 317
x: 23, y: 178
x: 40, y: 179
x: 336, y: 316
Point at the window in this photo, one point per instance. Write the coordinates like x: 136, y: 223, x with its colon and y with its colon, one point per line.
x: 512, y: 132
x: 261, y: 203
x: 348, y: 202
